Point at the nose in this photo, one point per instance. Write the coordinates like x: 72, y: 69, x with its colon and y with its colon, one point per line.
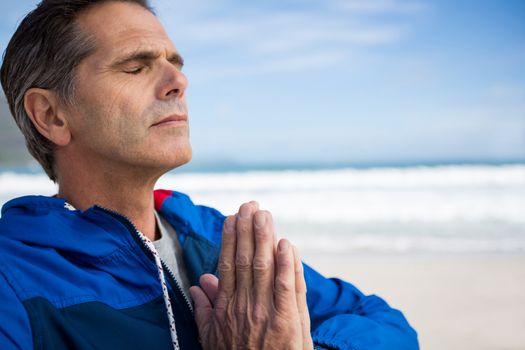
x: 172, y: 83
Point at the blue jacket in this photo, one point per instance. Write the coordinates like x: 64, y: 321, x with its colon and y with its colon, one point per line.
x: 83, y: 280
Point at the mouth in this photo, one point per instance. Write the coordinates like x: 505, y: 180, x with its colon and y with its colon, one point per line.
x: 172, y: 120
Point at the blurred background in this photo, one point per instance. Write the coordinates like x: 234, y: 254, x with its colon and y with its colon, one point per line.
x: 387, y: 137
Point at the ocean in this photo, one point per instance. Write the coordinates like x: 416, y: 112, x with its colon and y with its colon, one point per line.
x: 393, y: 210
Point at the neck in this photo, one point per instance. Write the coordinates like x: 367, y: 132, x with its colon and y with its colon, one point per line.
x: 128, y: 193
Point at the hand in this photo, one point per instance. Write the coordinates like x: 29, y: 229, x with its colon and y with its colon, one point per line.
x: 260, y: 300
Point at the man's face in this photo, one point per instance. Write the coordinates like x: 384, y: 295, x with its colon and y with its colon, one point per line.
x: 125, y: 91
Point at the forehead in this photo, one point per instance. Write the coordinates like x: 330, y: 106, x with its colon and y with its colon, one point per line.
x: 119, y: 27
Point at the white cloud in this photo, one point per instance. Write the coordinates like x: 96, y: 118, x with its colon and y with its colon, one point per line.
x: 263, y: 30
x: 290, y: 63
x: 209, y: 31
x: 340, y: 36
x: 380, y: 6
x: 253, y: 39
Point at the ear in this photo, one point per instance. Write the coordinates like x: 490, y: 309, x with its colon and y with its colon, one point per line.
x: 42, y: 107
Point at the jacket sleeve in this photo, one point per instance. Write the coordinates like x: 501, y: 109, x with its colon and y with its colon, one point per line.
x: 15, y: 329
x: 344, y: 318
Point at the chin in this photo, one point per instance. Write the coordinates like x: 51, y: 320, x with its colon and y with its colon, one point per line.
x: 179, y: 157
x: 186, y: 158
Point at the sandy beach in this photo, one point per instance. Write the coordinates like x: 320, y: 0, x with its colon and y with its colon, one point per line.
x: 455, y: 302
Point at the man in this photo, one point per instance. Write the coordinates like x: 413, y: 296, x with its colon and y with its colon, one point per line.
x: 97, y: 89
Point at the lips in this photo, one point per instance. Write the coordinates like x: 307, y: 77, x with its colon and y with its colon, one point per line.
x: 175, y: 119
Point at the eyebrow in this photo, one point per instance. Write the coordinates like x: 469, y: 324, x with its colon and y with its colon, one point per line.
x: 145, y: 55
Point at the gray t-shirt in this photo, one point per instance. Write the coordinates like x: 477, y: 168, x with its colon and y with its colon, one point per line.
x: 170, y: 251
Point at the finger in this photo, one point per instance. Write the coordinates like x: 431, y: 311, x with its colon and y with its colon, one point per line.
x: 255, y: 205
x: 300, y: 284
x: 210, y: 285
x: 300, y: 296
x: 227, y: 258
x: 284, y: 290
x: 245, y: 250
x: 203, y: 308
x: 263, y: 264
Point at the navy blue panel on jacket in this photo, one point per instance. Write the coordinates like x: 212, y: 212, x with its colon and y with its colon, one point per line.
x: 84, y: 325
x: 81, y: 279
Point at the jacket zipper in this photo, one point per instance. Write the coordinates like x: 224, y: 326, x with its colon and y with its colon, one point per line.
x: 135, y: 233
x: 177, y: 284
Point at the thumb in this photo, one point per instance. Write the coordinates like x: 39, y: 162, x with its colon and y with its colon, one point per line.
x: 203, y: 308
x: 210, y: 285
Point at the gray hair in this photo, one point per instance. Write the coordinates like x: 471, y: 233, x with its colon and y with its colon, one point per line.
x: 44, y: 51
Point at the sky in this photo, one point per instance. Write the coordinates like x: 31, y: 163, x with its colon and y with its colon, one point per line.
x: 351, y: 81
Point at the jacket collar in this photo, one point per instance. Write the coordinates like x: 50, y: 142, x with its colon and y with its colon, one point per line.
x: 47, y: 221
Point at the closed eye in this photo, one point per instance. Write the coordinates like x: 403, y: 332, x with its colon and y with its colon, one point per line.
x: 135, y: 71
x: 177, y: 61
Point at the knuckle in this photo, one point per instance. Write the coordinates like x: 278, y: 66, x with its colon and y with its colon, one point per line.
x: 221, y: 305
x: 243, y: 228
x: 240, y: 308
x: 299, y: 276
x: 280, y: 325
x: 260, y: 313
x: 261, y: 264
x: 300, y: 288
x: 243, y: 262
x: 224, y: 266
x: 284, y: 285
x: 283, y: 261
x: 262, y: 233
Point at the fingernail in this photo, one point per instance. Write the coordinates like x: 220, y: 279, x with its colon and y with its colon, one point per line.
x: 260, y: 219
x: 228, y: 225
x: 283, y: 245
x: 245, y: 211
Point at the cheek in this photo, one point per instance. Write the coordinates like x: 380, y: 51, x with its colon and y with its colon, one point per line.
x: 128, y: 124
x: 116, y: 116
x: 127, y: 128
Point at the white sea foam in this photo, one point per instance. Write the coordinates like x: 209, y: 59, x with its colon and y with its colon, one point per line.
x: 442, y: 209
